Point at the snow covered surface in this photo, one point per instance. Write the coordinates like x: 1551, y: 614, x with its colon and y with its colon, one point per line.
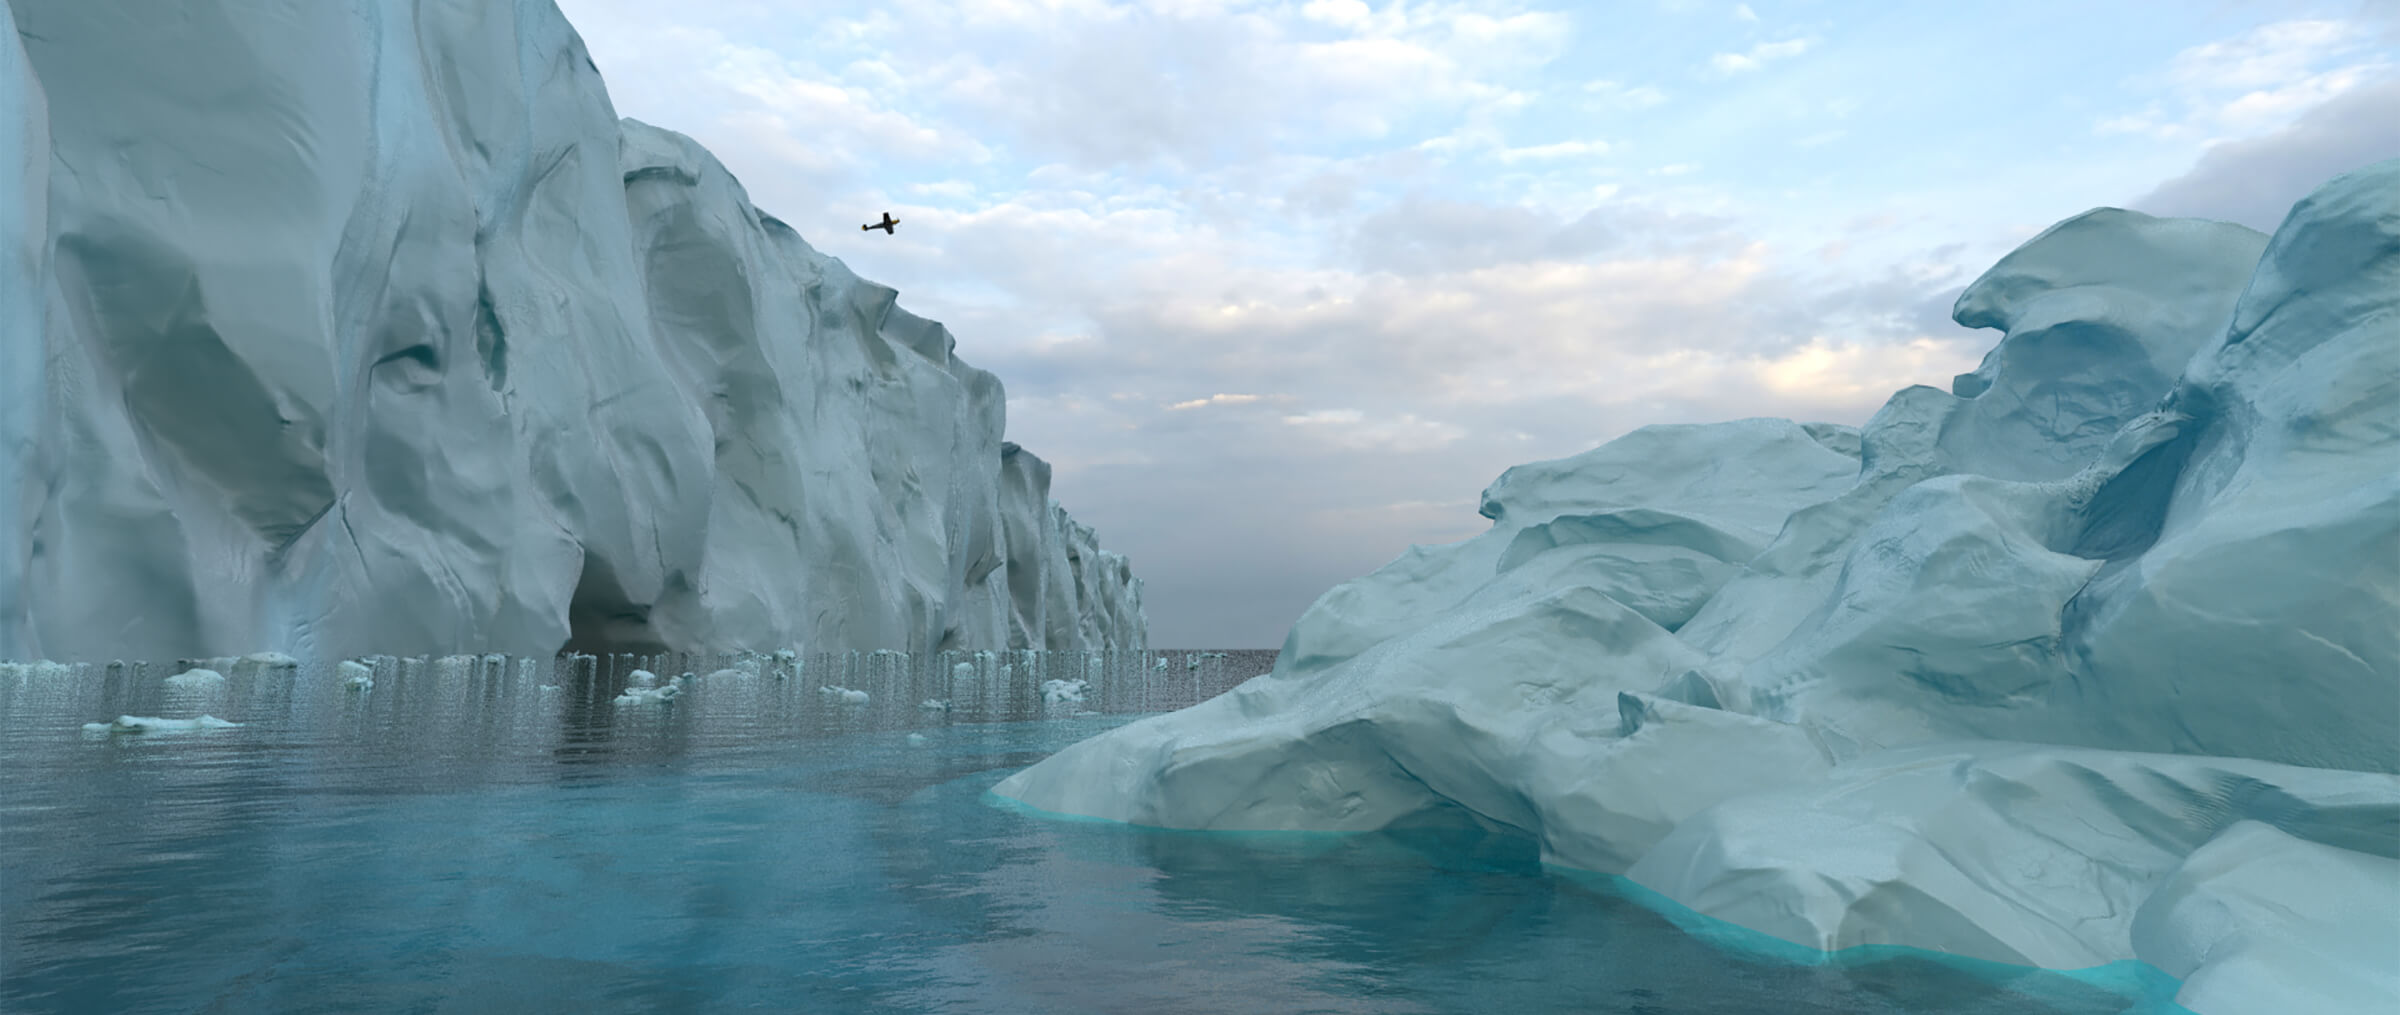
x: 2094, y: 657
x: 369, y: 327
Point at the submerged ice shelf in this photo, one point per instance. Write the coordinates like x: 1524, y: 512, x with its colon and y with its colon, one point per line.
x: 2092, y: 659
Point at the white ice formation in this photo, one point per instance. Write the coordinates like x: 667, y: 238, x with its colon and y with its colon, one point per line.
x: 369, y: 327
x: 843, y: 695
x: 1064, y: 692
x: 153, y: 724
x: 197, y: 678
x: 644, y: 688
x: 2094, y: 657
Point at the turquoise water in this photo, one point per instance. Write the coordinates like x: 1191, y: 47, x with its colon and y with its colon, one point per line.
x: 458, y: 839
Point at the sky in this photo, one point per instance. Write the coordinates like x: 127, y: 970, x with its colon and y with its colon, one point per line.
x: 1278, y: 288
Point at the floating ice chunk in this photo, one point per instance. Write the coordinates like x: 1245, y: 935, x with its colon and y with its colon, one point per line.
x: 271, y: 661
x: 935, y: 705
x: 649, y: 695
x: 844, y: 695
x: 1162, y: 664
x: 962, y: 671
x: 152, y: 724
x: 357, y: 676
x: 549, y: 688
x: 196, y: 678
x: 1064, y: 692
x: 647, y: 690
x: 918, y: 739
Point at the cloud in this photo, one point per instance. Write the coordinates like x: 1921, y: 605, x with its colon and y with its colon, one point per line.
x: 1561, y: 150
x: 2267, y: 56
x: 1352, y: 430
x: 1759, y: 56
x: 1218, y: 399
x: 1350, y: 14
x: 2151, y: 120
x: 1136, y: 87
x: 2256, y: 181
x: 1619, y: 96
x: 2260, y: 79
x: 955, y: 190
x: 1322, y: 194
x: 1423, y: 235
x: 804, y: 103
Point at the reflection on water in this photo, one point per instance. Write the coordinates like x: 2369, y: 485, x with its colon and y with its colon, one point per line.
x: 459, y: 839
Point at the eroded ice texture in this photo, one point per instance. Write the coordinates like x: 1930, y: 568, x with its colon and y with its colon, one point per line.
x: 379, y: 332
x: 2091, y: 658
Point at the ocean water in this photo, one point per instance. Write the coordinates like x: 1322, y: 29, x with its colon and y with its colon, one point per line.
x: 459, y: 839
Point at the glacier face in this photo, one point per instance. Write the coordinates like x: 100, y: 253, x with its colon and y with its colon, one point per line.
x: 2094, y: 657
x: 350, y: 328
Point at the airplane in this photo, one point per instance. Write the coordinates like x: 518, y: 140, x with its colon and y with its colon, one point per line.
x: 885, y: 225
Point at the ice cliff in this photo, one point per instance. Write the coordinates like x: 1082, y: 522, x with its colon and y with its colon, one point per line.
x: 2094, y: 657
x: 369, y: 327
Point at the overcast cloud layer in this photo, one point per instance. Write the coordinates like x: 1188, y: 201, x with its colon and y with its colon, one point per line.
x: 1280, y: 287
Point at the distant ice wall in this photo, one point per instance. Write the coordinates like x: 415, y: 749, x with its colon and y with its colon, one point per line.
x: 24, y: 292
x: 369, y: 327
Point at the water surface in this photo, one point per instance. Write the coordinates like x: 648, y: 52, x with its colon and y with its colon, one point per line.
x: 458, y: 839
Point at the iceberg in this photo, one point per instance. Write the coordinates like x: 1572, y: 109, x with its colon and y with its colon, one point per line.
x: 359, y: 328
x: 2092, y: 658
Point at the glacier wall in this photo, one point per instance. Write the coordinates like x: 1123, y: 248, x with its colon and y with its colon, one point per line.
x: 2094, y: 657
x: 369, y: 327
